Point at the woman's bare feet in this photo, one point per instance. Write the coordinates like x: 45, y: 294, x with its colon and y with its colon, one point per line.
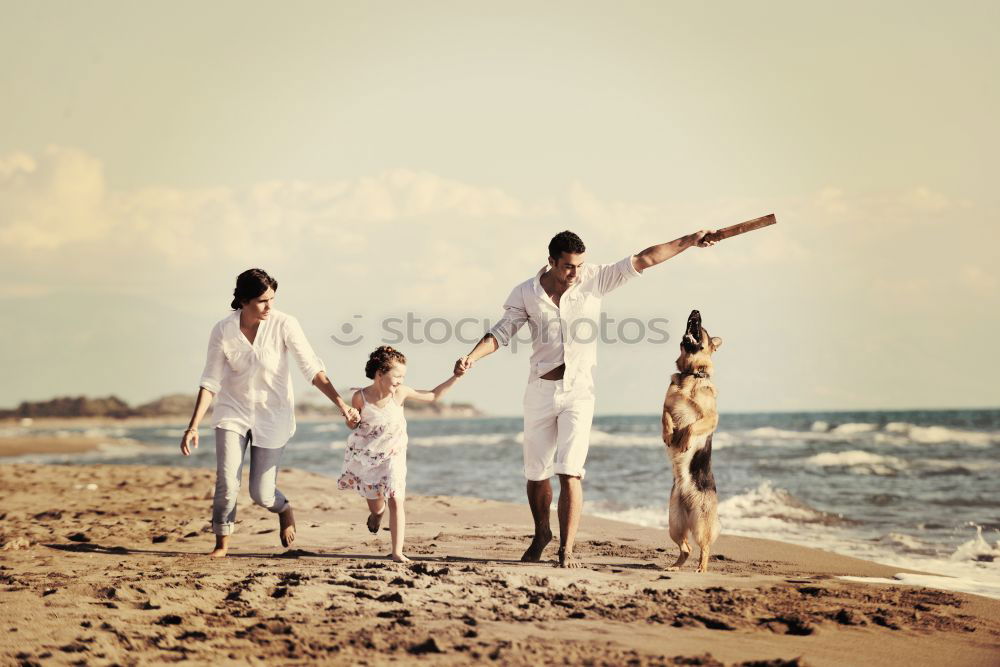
x: 567, y: 560
x: 399, y: 558
x: 221, y: 547
x: 537, y: 546
x: 286, y: 526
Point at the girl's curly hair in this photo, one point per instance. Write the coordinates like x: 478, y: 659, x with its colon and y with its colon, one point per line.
x: 382, y: 359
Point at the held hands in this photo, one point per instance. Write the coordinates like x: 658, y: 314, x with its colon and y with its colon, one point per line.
x: 698, y: 238
x: 462, y: 365
x: 189, y: 441
x: 351, y: 417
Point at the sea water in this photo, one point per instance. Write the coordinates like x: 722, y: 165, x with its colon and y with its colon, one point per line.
x: 915, y: 489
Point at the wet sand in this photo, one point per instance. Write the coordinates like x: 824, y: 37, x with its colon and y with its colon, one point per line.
x: 103, y: 564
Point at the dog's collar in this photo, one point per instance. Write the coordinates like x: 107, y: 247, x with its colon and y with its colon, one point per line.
x: 697, y: 374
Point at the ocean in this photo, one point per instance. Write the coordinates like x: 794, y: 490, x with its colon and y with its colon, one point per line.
x: 916, y: 489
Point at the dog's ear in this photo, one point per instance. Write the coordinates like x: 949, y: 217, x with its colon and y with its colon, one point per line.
x: 716, y: 343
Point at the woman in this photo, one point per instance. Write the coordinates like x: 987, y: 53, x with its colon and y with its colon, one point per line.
x: 247, y: 367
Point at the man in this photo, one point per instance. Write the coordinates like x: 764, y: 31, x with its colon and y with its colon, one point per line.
x: 561, y: 306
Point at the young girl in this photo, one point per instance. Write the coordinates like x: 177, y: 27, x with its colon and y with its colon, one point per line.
x: 375, y: 459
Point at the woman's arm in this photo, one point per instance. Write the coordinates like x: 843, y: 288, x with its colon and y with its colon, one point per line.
x: 357, y: 403
x: 322, y: 382
x: 428, y: 395
x: 189, y: 440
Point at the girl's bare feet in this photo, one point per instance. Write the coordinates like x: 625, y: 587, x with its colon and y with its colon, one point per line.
x: 286, y: 525
x: 399, y: 558
x: 375, y: 520
x: 221, y: 547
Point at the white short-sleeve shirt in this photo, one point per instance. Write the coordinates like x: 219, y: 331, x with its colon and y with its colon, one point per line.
x: 252, y: 382
x: 567, y: 333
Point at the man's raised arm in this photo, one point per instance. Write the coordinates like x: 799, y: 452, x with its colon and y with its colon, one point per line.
x: 656, y: 254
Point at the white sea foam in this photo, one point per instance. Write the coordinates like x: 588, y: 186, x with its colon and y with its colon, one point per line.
x: 851, y: 428
x: 819, y: 427
x: 604, y: 439
x: 461, y: 439
x: 768, y: 503
x: 977, y: 549
x: 776, y: 433
x: 771, y: 513
x: 946, y: 583
x: 934, y: 435
x: 852, y: 458
x: 858, y: 461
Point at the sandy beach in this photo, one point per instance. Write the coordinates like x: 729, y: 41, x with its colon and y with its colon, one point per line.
x: 102, y: 564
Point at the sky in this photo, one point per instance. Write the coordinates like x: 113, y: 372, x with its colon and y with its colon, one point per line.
x: 384, y: 158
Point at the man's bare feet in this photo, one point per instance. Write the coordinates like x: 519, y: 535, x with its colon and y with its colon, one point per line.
x: 374, y: 521
x: 567, y: 560
x: 286, y: 525
x: 537, y: 546
x: 221, y: 547
x: 399, y: 558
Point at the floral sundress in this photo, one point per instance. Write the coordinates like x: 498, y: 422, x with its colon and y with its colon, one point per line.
x: 375, y: 458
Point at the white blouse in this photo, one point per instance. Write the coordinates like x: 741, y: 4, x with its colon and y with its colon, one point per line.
x: 567, y: 333
x: 252, y: 382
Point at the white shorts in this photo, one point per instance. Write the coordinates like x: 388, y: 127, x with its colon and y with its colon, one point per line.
x: 556, y: 429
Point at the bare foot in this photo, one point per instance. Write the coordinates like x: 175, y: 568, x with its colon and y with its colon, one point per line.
x: 221, y: 547
x: 286, y: 524
x: 374, y: 521
x: 537, y: 546
x: 567, y: 560
x: 399, y: 558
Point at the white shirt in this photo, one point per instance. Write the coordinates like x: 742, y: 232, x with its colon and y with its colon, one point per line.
x: 252, y: 383
x: 567, y: 333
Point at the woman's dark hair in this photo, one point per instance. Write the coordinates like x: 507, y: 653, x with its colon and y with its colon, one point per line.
x: 567, y: 242
x: 382, y: 359
x: 251, y: 284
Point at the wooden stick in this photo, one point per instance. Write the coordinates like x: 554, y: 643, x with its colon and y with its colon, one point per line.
x: 741, y: 228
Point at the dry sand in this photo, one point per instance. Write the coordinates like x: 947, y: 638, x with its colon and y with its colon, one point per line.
x: 114, y: 574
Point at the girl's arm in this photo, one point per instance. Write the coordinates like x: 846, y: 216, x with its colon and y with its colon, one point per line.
x: 427, y: 395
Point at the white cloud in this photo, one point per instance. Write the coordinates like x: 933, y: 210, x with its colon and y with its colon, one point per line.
x: 49, y: 201
x: 978, y: 279
x: 839, y: 263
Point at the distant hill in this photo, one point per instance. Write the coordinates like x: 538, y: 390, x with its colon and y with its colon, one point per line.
x: 181, y: 405
x: 80, y: 406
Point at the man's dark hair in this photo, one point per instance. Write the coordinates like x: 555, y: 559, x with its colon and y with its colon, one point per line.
x: 567, y: 242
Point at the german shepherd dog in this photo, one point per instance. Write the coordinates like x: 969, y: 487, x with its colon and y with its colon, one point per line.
x: 689, y: 420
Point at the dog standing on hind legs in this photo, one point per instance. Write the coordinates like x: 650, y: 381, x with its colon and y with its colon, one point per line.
x: 689, y: 420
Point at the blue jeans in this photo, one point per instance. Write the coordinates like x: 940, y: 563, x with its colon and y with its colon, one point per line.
x: 230, y: 450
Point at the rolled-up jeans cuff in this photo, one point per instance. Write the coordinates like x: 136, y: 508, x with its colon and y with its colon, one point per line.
x: 222, y: 529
